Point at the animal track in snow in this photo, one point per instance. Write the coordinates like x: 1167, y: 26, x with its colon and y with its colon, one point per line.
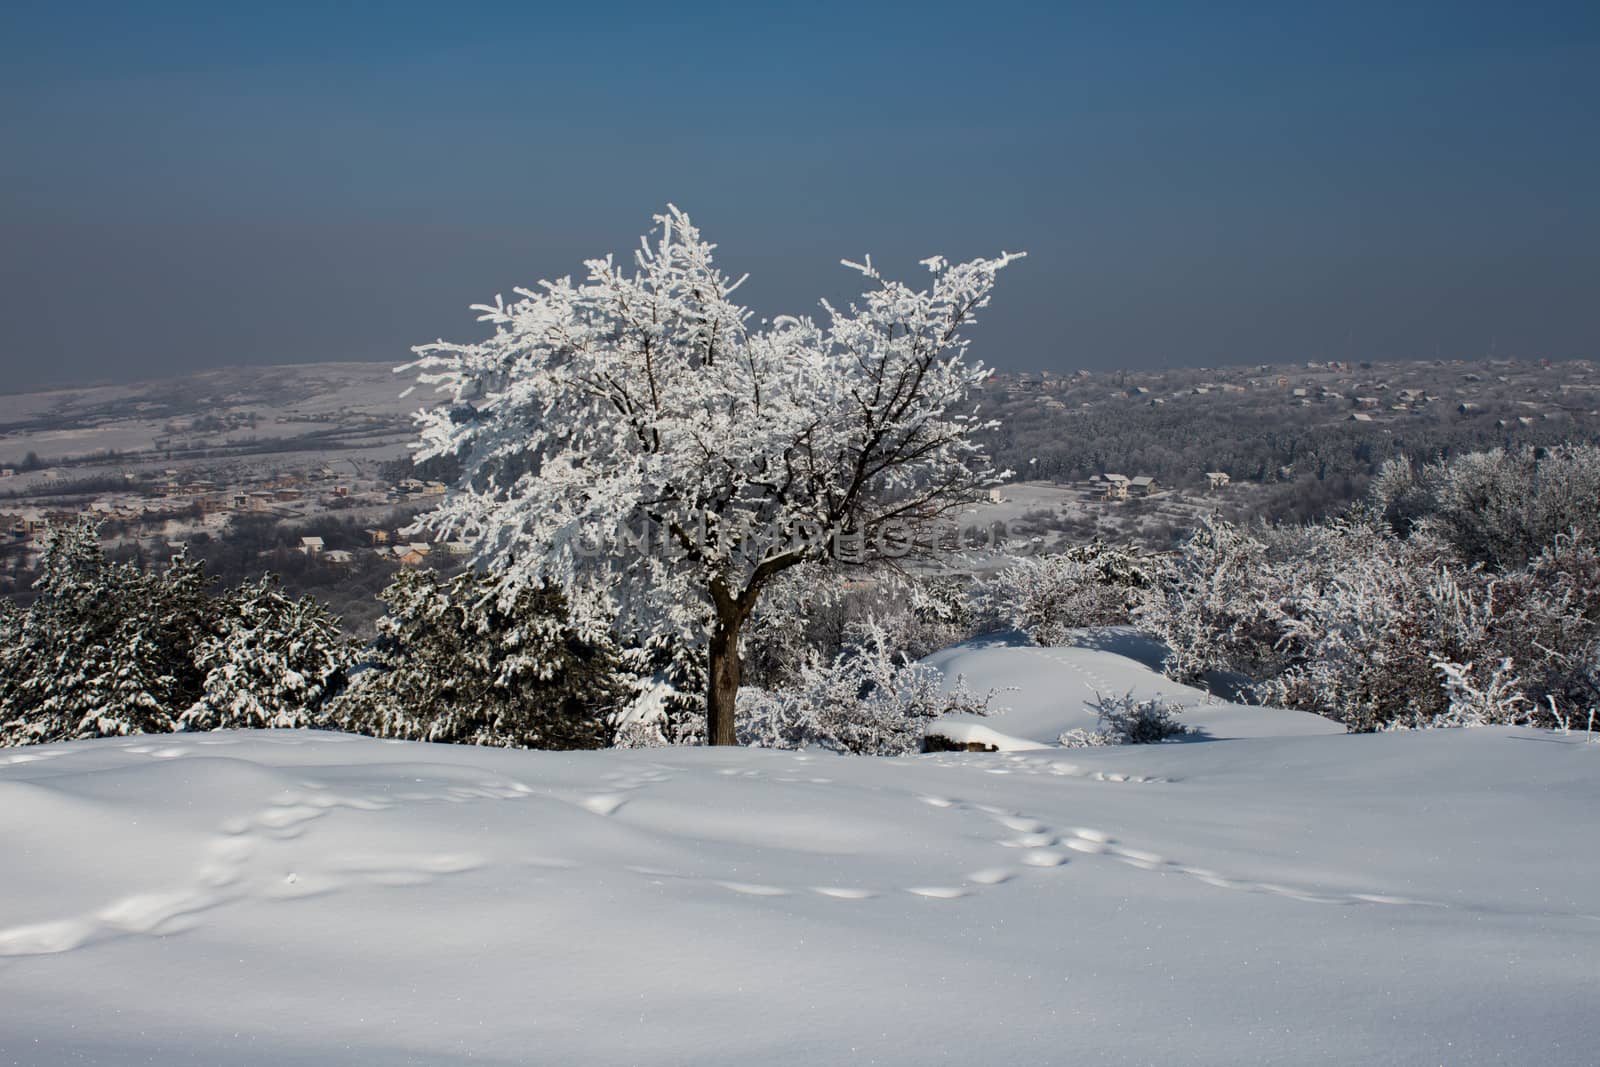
x: 604, y: 803
x: 140, y: 913
x: 220, y: 876
x: 1043, y: 849
x: 1038, y: 764
x: 839, y: 892
x: 751, y: 889
x: 1044, y: 857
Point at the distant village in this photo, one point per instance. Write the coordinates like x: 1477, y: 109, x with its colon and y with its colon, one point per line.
x: 185, y: 472
x: 1521, y: 392
x: 173, y: 506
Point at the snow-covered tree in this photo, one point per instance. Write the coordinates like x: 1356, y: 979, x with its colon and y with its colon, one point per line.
x: 1046, y: 596
x: 104, y: 649
x: 270, y: 661
x: 454, y: 663
x: 637, y: 442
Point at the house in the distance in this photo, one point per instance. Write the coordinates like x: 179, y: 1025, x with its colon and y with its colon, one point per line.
x: 1143, y: 485
x: 1216, y: 479
x: 1115, y: 487
x: 311, y: 546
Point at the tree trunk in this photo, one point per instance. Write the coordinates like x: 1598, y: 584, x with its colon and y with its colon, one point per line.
x: 722, y: 689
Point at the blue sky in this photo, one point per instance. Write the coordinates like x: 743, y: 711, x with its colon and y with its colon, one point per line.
x: 198, y: 185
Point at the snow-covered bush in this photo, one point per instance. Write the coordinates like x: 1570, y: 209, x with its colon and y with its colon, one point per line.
x: 1397, y: 495
x: 1500, y: 508
x: 270, y: 661
x: 454, y: 663
x: 804, y: 613
x: 869, y: 700
x: 1369, y: 616
x: 924, y: 615
x: 658, y: 716
x: 1087, y: 585
x: 1215, y: 605
x: 1481, y: 698
x: 1126, y: 721
x: 809, y: 618
x: 1546, y: 618
x: 1345, y: 619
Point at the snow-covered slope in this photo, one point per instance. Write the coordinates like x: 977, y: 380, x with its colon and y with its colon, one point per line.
x: 293, y: 897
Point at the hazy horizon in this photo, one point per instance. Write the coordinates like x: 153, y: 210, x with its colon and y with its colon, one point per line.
x: 188, y: 187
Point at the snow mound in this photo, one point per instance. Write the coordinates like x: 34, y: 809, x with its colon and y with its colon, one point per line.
x: 1047, y: 691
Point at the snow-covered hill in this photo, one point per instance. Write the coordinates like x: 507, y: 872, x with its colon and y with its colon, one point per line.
x: 1041, y: 692
x: 1275, y: 892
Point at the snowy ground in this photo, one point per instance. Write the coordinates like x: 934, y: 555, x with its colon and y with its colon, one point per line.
x: 1277, y: 893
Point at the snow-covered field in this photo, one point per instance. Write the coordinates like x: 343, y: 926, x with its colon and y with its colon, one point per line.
x: 1275, y: 892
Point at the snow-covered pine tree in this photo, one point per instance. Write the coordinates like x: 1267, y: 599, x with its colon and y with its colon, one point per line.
x: 270, y: 661
x: 636, y: 442
x: 454, y: 663
x: 104, y: 649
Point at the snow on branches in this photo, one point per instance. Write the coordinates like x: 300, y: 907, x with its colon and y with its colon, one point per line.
x: 634, y: 440
x: 270, y: 661
x: 868, y: 700
x: 108, y: 649
x: 1087, y: 585
x: 104, y: 650
x: 1125, y: 720
x: 453, y: 663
